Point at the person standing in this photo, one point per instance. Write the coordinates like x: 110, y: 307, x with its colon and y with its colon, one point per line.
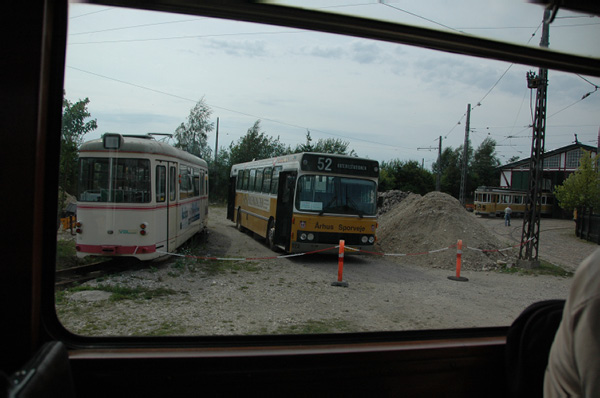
x: 507, y: 213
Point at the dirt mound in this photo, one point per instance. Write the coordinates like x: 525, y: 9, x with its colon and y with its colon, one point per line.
x: 421, y: 224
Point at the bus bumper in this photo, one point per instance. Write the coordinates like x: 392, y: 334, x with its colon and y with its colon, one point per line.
x: 305, y: 247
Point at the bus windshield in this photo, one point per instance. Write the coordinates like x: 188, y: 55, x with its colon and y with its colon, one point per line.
x: 337, y: 195
x: 114, y: 180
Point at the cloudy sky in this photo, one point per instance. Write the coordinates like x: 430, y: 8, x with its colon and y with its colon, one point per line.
x: 144, y: 71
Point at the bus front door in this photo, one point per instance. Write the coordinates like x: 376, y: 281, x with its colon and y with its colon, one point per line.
x: 231, y: 198
x: 285, y: 208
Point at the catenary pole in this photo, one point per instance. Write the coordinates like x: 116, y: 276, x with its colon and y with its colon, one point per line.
x: 465, y: 165
x: 528, y: 255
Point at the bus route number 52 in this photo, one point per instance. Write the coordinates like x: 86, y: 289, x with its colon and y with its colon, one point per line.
x: 324, y: 164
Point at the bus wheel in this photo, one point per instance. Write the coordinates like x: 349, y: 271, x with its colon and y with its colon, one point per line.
x: 271, y: 234
x: 238, y: 221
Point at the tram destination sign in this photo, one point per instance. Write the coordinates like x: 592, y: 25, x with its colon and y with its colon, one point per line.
x: 326, y: 163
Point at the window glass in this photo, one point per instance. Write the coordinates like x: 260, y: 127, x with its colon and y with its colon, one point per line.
x: 186, y: 189
x: 259, y: 180
x: 251, y: 180
x: 266, y: 187
x: 280, y: 90
x: 161, y: 183
x: 336, y: 195
x: 172, y: 183
x: 246, y: 180
x: 275, y: 180
x: 114, y: 180
x: 573, y: 158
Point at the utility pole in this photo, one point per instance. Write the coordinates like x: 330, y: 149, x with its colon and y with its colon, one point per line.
x: 217, y: 142
x: 438, y: 178
x: 439, y: 160
x: 528, y: 255
x: 465, y: 165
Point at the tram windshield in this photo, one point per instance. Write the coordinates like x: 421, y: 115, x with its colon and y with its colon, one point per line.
x: 337, y: 195
x: 114, y: 180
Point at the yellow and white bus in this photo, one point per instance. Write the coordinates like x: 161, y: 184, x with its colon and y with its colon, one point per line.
x: 306, y: 201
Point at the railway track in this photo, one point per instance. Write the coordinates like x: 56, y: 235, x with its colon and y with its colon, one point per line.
x: 75, y: 275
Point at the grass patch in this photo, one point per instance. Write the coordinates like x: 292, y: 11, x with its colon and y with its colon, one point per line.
x: 213, y: 267
x: 119, y: 292
x: 545, y: 268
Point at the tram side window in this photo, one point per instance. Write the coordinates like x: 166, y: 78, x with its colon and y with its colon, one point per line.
x: 518, y: 199
x: 266, y: 186
x: 205, y: 179
x: 114, y: 180
x: 505, y: 199
x: 185, y: 183
x: 172, y: 183
x: 161, y: 183
x: 196, y: 181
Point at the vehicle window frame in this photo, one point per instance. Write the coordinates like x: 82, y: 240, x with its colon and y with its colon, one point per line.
x: 79, y: 341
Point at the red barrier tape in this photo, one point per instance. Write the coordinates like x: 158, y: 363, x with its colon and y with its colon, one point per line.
x: 336, y: 247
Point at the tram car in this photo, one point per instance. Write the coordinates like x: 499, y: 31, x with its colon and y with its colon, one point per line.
x: 39, y: 356
x: 491, y: 201
x: 138, y: 197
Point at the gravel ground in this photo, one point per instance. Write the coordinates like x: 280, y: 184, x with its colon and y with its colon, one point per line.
x: 294, y: 295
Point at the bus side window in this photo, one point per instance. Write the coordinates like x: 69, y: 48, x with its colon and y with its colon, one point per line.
x: 266, y: 186
x: 259, y: 180
x: 246, y: 179
x: 161, y: 183
x: 275, y: 180
x: 252, y: 180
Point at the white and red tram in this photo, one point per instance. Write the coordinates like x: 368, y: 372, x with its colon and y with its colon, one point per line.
x: 138, y: 197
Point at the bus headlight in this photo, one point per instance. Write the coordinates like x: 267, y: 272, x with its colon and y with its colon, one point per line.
x: 311, y: 236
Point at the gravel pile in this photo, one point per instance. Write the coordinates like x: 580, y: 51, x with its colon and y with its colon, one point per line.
x: 418, y: 224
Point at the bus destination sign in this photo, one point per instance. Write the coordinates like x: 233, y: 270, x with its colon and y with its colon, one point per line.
x: 320, y: 162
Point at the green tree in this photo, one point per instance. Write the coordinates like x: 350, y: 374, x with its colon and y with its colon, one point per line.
x: 406, y: 176
x: 582, y: 188
x: 192, y: 135
x: 255, y: 145
x: 218, y: 173
x: 450, y: 164
x: 73, y: 128
x: 327, y: 145
x: 484, y: 167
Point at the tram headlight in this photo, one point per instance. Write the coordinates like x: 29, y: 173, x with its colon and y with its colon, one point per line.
x: 303, y: 236
x: 371, y: 239
x: 311, y: 236
x: 364, y: 239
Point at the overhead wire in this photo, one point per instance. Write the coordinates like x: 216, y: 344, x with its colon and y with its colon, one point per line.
x: 235, y: 111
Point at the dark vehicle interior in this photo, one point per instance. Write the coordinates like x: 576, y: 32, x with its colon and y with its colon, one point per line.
x: 55, y: 362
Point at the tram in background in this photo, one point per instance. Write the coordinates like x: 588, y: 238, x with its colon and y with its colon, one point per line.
x: 306, y: 201
x: 138, y: 197
x: 469, y: 362
x: 491, y: 201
